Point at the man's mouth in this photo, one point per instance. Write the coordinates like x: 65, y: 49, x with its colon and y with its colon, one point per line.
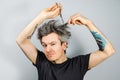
x: 50, y: 54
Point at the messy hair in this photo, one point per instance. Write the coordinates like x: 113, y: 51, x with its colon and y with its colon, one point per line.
x: 53, y: 26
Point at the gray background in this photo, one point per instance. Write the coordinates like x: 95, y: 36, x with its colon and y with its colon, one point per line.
x: 16, y: 14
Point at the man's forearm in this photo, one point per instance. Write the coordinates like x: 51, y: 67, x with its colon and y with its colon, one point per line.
x: 30, y: 29
x: 103, y: 43
x: 100, y: 40
x: 29, y: 37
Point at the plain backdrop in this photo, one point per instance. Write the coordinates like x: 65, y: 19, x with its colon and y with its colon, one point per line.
x: 15, y: 15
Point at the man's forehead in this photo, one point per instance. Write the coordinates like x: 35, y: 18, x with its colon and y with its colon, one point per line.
x: 50, y: 38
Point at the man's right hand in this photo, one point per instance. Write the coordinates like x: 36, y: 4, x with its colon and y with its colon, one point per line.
x: 52, y: 11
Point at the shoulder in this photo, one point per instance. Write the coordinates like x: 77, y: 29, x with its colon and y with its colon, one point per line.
x: 81, y: 60
x: 81, y: 57
x: 40, y: 58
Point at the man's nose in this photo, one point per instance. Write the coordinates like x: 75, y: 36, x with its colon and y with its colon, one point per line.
x: 48, y: 48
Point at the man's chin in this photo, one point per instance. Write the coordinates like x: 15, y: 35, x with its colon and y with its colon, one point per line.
x: 51, y: 59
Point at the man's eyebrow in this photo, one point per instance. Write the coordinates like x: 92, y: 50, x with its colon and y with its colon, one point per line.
x: 42, y: 42
x: 48, y: 43
x: 52, y: 42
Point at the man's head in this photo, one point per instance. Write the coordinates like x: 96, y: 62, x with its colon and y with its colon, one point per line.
x: 54, y: 38
x: 53, y: 26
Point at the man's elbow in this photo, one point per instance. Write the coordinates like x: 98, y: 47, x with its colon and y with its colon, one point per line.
x: 19, y: 41
x: 110, y: 51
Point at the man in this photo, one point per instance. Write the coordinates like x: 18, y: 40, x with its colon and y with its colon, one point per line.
x: 53, y: 64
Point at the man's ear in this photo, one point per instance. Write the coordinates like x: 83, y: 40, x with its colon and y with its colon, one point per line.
x: 65, y: 45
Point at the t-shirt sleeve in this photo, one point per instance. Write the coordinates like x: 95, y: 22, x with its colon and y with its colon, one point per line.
x: 83, y: 61
x: 40, y: 58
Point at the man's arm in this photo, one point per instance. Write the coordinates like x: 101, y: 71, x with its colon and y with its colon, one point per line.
x: 105, y: 47
x: 23, y: 39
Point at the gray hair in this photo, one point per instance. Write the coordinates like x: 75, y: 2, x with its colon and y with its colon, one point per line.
x: 53, y: 26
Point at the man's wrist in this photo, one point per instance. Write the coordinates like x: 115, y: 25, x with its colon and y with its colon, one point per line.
x: 89, y: 23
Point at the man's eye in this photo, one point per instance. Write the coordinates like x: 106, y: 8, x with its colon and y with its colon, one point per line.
x: 44, y: 45
x: 52, y: 44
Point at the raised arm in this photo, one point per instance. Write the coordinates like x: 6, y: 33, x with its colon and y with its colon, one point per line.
x: 105, y: 47
x: 23, y: 39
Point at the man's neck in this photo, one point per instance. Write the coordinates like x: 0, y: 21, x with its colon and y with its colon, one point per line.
x: 61, y: 60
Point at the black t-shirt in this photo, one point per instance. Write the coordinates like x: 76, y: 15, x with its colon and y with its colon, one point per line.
x: 72, y: 69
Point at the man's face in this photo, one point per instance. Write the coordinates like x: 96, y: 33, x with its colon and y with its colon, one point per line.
x: 52, y: 46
